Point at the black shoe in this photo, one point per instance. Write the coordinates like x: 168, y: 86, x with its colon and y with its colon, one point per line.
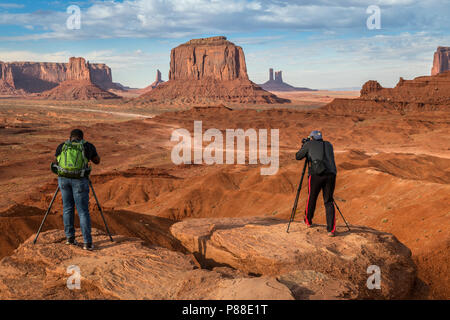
x: 71, y: 241
x: 88, y: 246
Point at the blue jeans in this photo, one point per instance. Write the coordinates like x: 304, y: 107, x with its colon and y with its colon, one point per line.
x: 75, y: 192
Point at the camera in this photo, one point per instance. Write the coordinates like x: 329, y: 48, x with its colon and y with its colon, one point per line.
x: 305, y: 140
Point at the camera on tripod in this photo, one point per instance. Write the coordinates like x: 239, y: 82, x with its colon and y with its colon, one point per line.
x: 305, y: 140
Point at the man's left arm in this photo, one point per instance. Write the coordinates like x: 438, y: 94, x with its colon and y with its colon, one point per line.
x: 93, y: 155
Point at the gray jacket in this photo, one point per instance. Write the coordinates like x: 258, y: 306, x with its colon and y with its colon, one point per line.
x: 313, y: 149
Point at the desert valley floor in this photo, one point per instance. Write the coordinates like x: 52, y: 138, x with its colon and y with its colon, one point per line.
x: 393, y: 172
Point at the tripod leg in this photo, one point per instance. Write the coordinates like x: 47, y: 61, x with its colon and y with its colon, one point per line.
x: 294, y: 208
x: 341, y: 215
x: 100, y: 209
x: 46, y: 214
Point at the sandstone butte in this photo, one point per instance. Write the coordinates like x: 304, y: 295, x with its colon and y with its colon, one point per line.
x: 225, y: 258
x: 441, y: 60
x: 209, y: 70
x: 78, y: 84
x: 277, y: 84
x: 35, y: 77
x: 153, y: 85
x: 425, y: 93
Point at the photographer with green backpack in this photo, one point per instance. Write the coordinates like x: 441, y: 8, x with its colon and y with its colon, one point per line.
x: 72, y: 167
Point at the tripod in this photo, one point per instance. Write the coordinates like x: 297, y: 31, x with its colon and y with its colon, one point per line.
x: 341, y: 215
x: 51, y: 203
x: 294, y: 208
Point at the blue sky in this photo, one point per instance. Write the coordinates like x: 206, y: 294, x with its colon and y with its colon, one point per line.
x: 318, y: 44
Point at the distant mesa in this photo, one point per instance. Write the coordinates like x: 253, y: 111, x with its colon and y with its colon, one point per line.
x: 18, y: 78
x: 441, y: 61
x: 205, y: 71
x: 277, y: 84
x: 426, y: 93
x: 78, y: 84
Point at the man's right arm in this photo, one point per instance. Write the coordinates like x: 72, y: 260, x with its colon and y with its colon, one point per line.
x: 302, y: 152
x: 94, y: 157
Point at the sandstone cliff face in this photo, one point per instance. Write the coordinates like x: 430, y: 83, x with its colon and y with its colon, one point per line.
x: 101, y: 75
x: 78, y: 69
x: 6, y: 79
x: 207, y: 71
x: 211, y: 58
x: 6, y: 74
x: 78, y: 84
x: 38, y: 76
x: 441, y: 60
x: 35, y: 77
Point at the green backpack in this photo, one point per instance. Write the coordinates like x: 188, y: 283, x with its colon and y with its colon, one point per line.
x: 72, y: 162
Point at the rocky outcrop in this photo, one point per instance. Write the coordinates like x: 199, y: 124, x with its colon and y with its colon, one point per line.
x: 426, y: 93
x: 158, y: 77
x: 303, y: 258
x: 441, y: 60
x: 279, y: 76
x: 153, y: 85
x: 125, y: 269
x: 205, y: 71
x: 79, y: 85
x: 370, y: 87
x: 36, y: 77
x: 277, y: 84
x: 7, y: 86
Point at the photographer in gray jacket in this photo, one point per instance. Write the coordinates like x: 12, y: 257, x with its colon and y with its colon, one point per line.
x: 321, y: 176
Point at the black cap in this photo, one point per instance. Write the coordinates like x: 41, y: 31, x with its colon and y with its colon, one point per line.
x: 77, y: 134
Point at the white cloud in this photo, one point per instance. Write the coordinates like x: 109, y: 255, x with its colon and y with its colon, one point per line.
x: 331, y: 63
x: 171, y: 18
x: 326, y: 60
